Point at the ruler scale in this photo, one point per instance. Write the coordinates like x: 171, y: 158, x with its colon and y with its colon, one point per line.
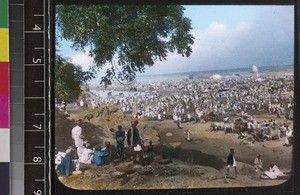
x: 35, y: 160
x: 16, y: 37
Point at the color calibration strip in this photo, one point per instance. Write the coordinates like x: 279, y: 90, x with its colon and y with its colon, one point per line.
x: 4, y: 100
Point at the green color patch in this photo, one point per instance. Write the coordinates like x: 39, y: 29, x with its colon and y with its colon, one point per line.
x: 3, y: 13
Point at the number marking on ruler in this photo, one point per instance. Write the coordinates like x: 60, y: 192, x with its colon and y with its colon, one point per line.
x: 39, y: 114
x: 38, y: 192
x: 39, y: 180
x: 39, y: 147
x: 35, y: 28
x: 34, y: 97
x: 31, y: 130
x: 39, y: 81
x: 38, y: 127
x: 34, y: 64
x: 31, y: 31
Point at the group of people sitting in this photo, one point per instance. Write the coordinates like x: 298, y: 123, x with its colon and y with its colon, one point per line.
x: 67, y: 161
x: 96, y: 154
x: 273, y: 173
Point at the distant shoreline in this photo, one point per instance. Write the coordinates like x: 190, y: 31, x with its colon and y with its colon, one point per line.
x: 141, y: 89
x: 261, y: 68
x: 263, y: 71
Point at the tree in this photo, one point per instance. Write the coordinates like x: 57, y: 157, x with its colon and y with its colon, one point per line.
x: 68, y: 80
x: 134, y: 35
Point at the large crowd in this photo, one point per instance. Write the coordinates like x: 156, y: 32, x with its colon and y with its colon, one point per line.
x: 187, y: 99
x: 196, y: 98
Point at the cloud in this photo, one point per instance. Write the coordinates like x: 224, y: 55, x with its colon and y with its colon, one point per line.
x: 211, y: 49
x: 266, y: 38
x: 215, y: 44
x: 261, y: 42
x: 83, y: 59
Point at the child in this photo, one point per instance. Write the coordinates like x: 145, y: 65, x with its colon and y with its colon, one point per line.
x: 258, y: 163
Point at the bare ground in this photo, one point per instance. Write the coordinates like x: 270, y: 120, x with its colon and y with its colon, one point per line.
x: 199, y: 163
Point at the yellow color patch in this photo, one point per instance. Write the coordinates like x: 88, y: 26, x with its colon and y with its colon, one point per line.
x: 4, y: 45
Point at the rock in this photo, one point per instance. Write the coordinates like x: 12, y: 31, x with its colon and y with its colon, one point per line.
x: 116, y: 160
x: 77, y: 172
x: 104, y: 176
x: 169, y: 134
x: 125, y: 180
x: 164, y: 161
x: 198, y: 141
x: 137, y: 166
x: 126, y: 169
x: 117, y: 174
x: 145, y: 170
x: 175, y: 144
x: 87, y: 172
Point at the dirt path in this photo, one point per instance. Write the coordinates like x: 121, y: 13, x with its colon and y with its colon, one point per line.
x: 218, y: 144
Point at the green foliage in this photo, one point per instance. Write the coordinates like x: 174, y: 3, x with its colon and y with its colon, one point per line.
x: 135, y: 35
x: 68, y: 80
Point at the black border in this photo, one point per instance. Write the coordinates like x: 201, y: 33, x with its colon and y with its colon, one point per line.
x: 291, y: 186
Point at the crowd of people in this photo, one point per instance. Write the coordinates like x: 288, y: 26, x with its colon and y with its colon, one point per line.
x: 86, y: 154
x: 196, y: 98
x: 180, y: 100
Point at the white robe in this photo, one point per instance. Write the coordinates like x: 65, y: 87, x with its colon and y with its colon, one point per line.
x: 274, y: 172
x: 289, y: 133
x: 76, y: 135
x: 258, y: 163
x: 86, y: 156
x: 80, y: 150
x: 81, y: 103
x: 59, y: 156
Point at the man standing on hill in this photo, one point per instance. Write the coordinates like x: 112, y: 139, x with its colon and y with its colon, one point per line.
x: 77, y: 134
x: 134, y: 138
x: 120, y: 137
x: 231, y: 162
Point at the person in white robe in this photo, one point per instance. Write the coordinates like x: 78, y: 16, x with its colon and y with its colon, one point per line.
x: 81, y: 103
x: 85, y: 155
x: 258, y: 163
x: 273, y: 172
x: 187, y: 135
x: 93, y: 102
x: 289, y: 136
x: 77, y: 134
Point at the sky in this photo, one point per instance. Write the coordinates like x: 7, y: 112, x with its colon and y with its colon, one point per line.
x: 226, y: 37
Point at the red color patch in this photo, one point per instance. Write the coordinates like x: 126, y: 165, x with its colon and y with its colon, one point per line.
x: 4, y: 95
x: 4, y: 78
